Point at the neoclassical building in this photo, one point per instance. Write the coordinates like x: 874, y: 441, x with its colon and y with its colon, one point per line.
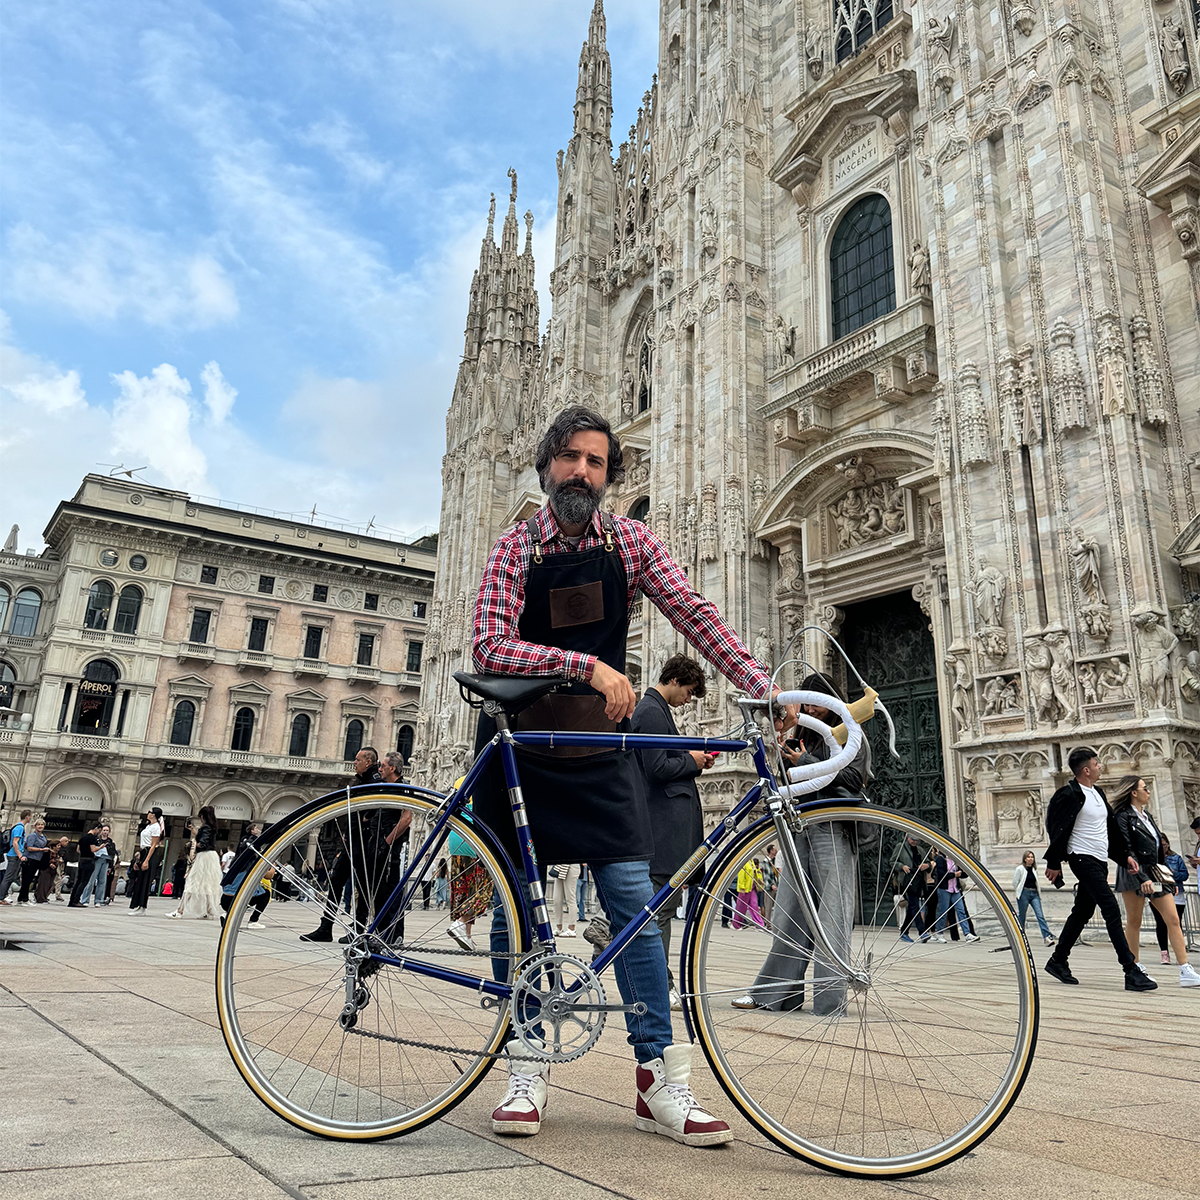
x: 172, y: 652
x: 896, y: 309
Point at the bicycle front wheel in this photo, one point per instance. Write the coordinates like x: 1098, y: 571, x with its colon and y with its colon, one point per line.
x: 908, y: 1061
x: 417, y: 1044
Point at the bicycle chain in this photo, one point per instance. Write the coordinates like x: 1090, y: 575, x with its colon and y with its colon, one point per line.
x: 399, y: 1041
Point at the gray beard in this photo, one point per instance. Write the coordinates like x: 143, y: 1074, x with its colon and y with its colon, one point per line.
x: 574, y: 507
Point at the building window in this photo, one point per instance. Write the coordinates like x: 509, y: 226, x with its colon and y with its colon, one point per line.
x: 26, y: 608
x: 243, y: 730
x: 266, y: 584
x: 320, y: 593
x: 5, y: 597
x: 99, y: 602
x: 208, y: 574
x: 8, y: 683
x: 404, y: 742
x: 200, y: 622
x: 861, y: 267
x: 414, y: 655
x: 419, y: 609
x: 855, y: 22
x: 371, y: 601
x: 298, y: 743
x: 312, y: 641
x: 109, y: 558
x: 366, y: 649
x: 129, y: 610
x: 641, y: 510
x: 354, y: 740
x: 96, y: 695
x: 258, y: 634
x: 137, y: 562
x: 182, y: 722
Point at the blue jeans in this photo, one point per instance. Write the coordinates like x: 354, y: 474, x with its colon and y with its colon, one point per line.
x: 98, y: 884
x: 1030, y: 899
x: 623, y: 889
x: 951, y: 901
x: 581, y: 896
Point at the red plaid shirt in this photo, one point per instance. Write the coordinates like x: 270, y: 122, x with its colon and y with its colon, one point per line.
x: 649, y: 568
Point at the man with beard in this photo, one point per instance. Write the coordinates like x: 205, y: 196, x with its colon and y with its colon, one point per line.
x: 555, y: 600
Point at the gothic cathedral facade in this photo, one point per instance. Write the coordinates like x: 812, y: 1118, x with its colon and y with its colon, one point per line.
x: 896, y: 311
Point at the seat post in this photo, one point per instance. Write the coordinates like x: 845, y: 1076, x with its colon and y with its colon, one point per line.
x: 516, y: 800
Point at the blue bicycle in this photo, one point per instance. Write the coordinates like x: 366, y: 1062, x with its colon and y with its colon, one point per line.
x: 838, y: 1034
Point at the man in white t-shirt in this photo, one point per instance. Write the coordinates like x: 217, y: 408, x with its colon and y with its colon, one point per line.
x: 1082, y: 830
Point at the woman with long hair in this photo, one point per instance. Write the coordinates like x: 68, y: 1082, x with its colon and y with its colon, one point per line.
x: 1152, y: 880
x: 1026, y: 888
x: 181, y: 870
x: 202, y: 893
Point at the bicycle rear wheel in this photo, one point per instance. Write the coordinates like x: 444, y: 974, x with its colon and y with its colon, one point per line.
x: 895, y: 1073
x: 419, y: 1045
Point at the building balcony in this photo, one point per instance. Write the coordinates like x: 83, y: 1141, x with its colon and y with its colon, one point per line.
x: 14, y: 737
x: 889, y: 361
x: 316, y: 667
x: 248, y: 758
x: 255, y: 660
x: 12, y: 641
x: 199, y: 651
x: 363, y: 674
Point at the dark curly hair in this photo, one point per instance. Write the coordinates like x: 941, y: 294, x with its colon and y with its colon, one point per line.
x: 569, y: 422
x: 685, y: 671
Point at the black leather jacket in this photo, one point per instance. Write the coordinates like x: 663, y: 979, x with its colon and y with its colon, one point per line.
x: 206, y: 839
x: 1143, y: 845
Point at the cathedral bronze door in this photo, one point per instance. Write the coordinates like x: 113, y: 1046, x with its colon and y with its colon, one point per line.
x: 889, y: 641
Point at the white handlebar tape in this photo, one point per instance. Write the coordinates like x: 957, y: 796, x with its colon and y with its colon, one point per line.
x: 811, y: 777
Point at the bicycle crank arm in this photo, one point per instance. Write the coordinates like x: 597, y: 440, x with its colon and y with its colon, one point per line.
x: 639, y: 1009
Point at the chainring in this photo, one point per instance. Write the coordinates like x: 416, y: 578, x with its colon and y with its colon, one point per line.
x: 565, y: 997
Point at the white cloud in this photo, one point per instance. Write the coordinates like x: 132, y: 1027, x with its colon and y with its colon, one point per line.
x: 114, y: 272
x: 219, y: 394
x: 151, y: 421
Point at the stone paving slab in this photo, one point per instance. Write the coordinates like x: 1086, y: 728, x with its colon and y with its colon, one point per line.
x: 1110, y: 1105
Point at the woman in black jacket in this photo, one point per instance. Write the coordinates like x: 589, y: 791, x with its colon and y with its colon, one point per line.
x: 1152, y: 879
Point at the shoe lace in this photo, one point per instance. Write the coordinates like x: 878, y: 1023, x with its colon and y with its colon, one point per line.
x: 681, y: 1093
x: 520, y: 1085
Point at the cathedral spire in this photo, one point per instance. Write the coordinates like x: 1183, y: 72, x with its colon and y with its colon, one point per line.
x: 593, y: 96
x: 508, y: 241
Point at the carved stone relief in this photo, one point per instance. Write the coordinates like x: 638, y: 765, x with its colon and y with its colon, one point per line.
x: 1067, y: 391
x: 1002, y: 696
x: 1189, y: 677
x: 1174, y: 54
x: 987, y: 590
x: 869, y: 511
x: 962, y: 696
x: 1147, y: 377
x: 1115, y: 393
x: 708, y: 531
x: 1097, y: 619
x: 974, y: 435
x: 1155, y: 646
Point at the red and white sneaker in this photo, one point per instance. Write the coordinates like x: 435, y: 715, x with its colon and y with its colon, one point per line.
x: 524, y: 1105
x: 665, y: 1103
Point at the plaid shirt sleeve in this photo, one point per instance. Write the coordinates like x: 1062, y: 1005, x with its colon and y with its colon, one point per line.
x: 499, y: 649
x: 662, y: 580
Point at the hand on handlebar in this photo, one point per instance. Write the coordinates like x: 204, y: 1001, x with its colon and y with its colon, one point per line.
x: 616, y: 690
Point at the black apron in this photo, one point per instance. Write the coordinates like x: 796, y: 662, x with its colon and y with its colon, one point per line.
x: 583, y: 805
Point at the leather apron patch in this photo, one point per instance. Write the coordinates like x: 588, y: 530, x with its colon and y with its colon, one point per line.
x: 579, y: 605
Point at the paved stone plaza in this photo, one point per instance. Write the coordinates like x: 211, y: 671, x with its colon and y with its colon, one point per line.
x: 116, y: 1082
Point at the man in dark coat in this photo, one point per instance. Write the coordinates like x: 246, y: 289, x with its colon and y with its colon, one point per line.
x: 1083, y: 831
x: 675, y: 817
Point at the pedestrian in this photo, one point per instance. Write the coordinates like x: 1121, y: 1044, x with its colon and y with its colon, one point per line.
x: 366, y: 767
x: 145, y: 865
x: 829, y: 859
x: 47, y: 871
x: 86, y: 867
x: 179, y: 872
x: 470, y: 889
x: 1151, y: 880
x: 1179, y: 876
x: 949, y: 877
x: 441, y: 885
x: 676, y: 818
x: 748, y: 880
x: 1084, y: 832
x: 14, y: 856
x: 60, y: 868
x: 258, y: 902
x: 914, y: 873
x: 35, y: 852
x: 1026, y: 889
x: 728, y: 900
x: 556, y: 598
x: 561, y: 879
x: 581, y: 893
x: 770, y: 884
x: 202, y: 893
x: 97, y: 885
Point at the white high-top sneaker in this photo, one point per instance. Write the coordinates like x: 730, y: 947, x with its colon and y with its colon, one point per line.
x: 1188, y: 976
x: 524, y: 1104
x: 665, y: 1103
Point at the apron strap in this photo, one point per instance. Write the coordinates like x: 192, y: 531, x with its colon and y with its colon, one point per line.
x: 606, y: 523
x: 535, y: 538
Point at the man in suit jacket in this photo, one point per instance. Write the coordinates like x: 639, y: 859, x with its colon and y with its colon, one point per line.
x: 675, y: 817
x: 1083, y: 831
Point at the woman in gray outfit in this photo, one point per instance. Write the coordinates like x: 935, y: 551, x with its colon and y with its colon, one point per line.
x: 829, y: 859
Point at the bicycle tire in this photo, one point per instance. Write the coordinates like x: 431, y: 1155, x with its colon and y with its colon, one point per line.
x: 897, y: 1034
x: 252, y: 1059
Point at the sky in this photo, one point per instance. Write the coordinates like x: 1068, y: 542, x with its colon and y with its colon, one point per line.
x: 236, y: 240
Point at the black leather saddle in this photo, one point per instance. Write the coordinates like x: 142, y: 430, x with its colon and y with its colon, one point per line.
x: 512, y: 692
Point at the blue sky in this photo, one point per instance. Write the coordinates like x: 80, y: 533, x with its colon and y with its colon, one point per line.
x: 236, y: 239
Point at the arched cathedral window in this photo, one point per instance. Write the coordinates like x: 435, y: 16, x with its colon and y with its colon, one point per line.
x: 855, y: 22
x: 862, y: 275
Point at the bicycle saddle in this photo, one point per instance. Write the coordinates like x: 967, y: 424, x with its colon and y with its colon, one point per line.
x: 512, y: 692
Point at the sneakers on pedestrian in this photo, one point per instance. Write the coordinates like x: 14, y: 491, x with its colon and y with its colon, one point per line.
x: 746, y: 1001
x: 524, y: 1105
x: 174, y: 916
x: 676, y: 1000
x: 1060, y: 971
x: 1164, y: 957
x: 665, y: 1103
x: 972, y: 937
x: 1136, y: 980
x: 937, y: 937
x: 1051, y: 941
x: 905, y: 938
x: 458, y: 932
x: 322, y: 933
x: 1188, y: 976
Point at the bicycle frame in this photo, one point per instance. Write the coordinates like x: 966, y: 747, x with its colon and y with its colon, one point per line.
x: 504, y: 744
